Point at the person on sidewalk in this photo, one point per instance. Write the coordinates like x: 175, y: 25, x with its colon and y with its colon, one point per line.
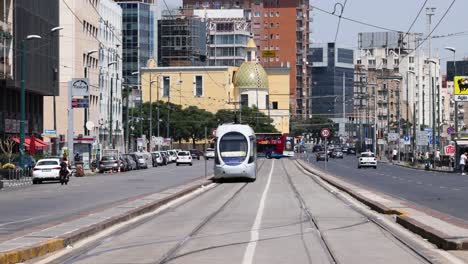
x: 437, y: 158
x: 394, y: 155
x: 463, y: 158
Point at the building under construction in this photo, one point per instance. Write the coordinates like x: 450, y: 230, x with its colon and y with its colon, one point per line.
x: 181, y: 40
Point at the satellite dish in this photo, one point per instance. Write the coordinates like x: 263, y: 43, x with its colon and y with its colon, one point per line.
x: 90, y: 125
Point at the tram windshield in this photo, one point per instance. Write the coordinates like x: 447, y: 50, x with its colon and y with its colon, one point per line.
x: 233, y: 148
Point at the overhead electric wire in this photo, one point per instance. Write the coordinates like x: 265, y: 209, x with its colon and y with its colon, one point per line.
x: 354, y: 20
x: 339, y: 18
x: 432, y: 31
x: 415, y: 19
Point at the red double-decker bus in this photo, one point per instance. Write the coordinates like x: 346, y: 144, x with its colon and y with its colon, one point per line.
x: 275, y: 145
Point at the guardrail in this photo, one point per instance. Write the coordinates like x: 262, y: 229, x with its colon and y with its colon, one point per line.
x: 15, y: 178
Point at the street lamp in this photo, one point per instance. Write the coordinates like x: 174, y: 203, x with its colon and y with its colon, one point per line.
x: 454, y: 74
x: 53, y: 30
x: 407, y: 112
x: 23, y: 94
x: 86, y: 76
x: 111, y: 106
x: 433, y: 104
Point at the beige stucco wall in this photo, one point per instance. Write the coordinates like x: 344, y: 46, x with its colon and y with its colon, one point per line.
x: 74, y: 42
x: 278, y: 81
x: 217, y: 86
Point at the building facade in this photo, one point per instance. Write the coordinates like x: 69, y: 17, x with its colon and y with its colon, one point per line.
x: 181, y: 40
x: 460, y: 68
x: 78, y: 59
x: 396, y: 70
x: 18, y: 19
x: 282, y: 30
x: 110, y: 75
x: 228, y: 34
x: 332, y: 88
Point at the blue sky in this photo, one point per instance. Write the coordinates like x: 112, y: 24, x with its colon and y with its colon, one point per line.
x: 394, y: 14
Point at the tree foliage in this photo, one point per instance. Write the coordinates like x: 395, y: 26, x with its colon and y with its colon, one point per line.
x: 313, y: 126
x: 189, y: 123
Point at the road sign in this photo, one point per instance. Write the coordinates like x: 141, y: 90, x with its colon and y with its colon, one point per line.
x: 407, y: 140
x: 325, y: 132
x: 49, y: 133
x: 393, y: 136
x: 79, y: 86
x: 422, y: 138
x: 80, y: 103
x: 268, y: 53
x: 450, y: 130
x: 450, y: 150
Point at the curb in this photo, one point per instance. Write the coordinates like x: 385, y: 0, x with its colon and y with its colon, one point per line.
x: 378, y: 207
x: 410, y: 167
x: 434, y: 236
x: 54, y: 244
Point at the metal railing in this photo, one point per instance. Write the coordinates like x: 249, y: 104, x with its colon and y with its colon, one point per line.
x: 16, y: 178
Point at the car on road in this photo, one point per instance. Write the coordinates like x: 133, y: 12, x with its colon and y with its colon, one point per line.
x: 344, y: 149
x: 209, y: 153
x: 184, y: 157
x: 196, y: 154
x: 172, y: 155
x: 157, y: 159
x: 46, y: 170
x: 321, y: 156
x: 108, y: 163
x: 166, y: 157
x: 351, y: 151
x: 367, y: 159
x: 132, y: 165
x: 124, y: 166
x: 134, y: 157
x: 142, y: 160
x: 317, y: 148
x: 337, y: 154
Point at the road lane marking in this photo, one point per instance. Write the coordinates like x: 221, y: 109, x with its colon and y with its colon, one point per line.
x: 254, y: 231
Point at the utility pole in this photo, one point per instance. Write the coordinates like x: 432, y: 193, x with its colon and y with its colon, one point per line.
x: 399, y: 120
x: 344, y: 104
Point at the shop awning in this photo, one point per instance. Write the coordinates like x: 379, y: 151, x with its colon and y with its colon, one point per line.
x: 39, y: 144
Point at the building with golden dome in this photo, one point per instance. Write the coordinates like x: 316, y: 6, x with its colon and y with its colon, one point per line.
x: 223, y: 87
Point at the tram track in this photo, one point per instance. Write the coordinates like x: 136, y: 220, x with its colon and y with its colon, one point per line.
x: 365, y: 215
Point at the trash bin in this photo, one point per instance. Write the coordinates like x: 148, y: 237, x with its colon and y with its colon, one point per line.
x: 79, y: 169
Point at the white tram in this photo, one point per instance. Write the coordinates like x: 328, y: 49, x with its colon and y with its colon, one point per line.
x: 235, y: 152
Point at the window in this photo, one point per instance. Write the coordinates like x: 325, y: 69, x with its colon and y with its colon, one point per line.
x: 166, y: 86
x: 272, y: 14
x: 277, y: 36
x: 244, y: 100
x: 233, y: 148
x: 411, y: 59
x: 198, y: 86
x: 396, y: 61
x: 257, y: 14
x: 274, y: 105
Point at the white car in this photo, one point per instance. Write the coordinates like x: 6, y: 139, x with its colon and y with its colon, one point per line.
x: 367, y: 159
x: 209, y: 153
x: 184, y: 157
x: 172, y: 155
x: 46, y: 170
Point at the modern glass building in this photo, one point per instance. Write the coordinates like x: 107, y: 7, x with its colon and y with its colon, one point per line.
x: 139, y: 37
x: 333, y: 82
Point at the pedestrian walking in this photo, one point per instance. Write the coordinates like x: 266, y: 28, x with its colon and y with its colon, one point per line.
x: 463, y: 163
x: 437, y: 158
x: 394, y: 154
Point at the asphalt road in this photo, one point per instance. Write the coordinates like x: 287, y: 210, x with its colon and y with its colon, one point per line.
x: 260, y: 222
x: 26, y: 209
x: 444, y: 192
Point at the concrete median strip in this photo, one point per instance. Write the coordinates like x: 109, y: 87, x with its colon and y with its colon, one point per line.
x: 58, y: 237
x: 445, y: 232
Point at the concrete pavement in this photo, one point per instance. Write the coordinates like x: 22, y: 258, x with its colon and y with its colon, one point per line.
x: 283, y: 217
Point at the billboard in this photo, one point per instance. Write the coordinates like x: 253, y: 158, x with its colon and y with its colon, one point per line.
x: 460, y: 86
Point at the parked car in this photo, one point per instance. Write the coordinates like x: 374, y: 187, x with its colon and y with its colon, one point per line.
x: 209, y: 153
x: 166, y: 157
x: 172, y: 155
x: 142, y: 161
x: 132, y: 165
x: 195, y: 154
x: 367, y: 159
x: 123, y: 164
x: 321, y: 156
x: 46, y: 170
x: 134, y: 157
x: 345, y: 149
x: 157, y: 159
x: 108, y: 163
x: 184, y: 157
